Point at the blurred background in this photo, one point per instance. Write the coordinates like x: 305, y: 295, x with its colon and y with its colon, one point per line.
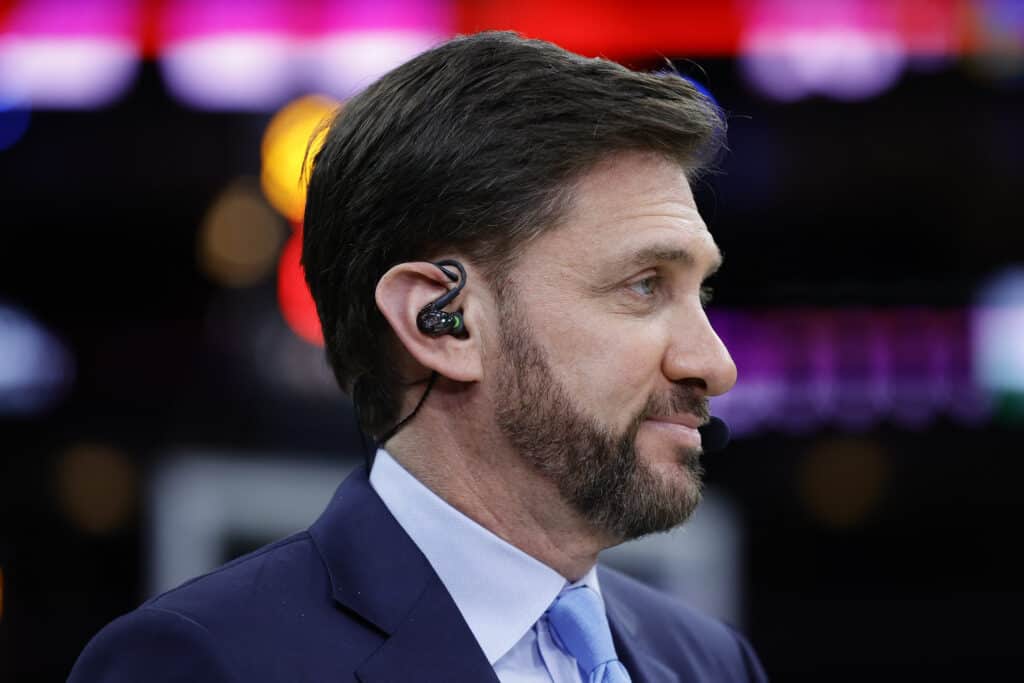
x: 165, y: 404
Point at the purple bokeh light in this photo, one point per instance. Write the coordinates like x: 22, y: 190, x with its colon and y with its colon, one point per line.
x: 845, y: 49
x: 65, y: 54
x: 802, y: 369
x: 214, y: 58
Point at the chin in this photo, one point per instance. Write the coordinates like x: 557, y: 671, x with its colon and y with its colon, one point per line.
x: 666, y: 489
x: 681, y: 477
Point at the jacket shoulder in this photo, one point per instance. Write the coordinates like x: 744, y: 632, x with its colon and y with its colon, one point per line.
x: 153, y: 644
x: 269, y: 615
x: 287, y: 571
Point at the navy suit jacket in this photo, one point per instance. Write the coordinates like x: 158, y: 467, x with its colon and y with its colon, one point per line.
x: 353, y: 599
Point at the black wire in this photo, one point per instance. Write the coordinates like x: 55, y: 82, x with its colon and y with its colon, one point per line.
x: 460, y: 281
x: 394, y: 430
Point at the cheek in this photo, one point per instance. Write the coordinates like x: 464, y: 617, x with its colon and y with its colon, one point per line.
x: 610, y: 369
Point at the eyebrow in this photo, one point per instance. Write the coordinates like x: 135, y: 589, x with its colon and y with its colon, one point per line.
x: 657, y: 253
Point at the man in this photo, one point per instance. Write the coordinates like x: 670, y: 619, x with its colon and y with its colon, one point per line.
x: 508, y: 266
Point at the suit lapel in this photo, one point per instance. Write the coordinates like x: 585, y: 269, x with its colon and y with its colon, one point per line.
x: 378, y: 573
x: 432, y: 644
x: 630, y: 644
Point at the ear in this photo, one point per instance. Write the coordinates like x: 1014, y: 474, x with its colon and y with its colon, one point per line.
x: 402, y: 293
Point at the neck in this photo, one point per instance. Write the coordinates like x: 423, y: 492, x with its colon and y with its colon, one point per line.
x: 485, y: 479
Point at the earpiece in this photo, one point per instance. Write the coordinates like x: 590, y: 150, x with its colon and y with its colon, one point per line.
x: 434, y: 321
x: 437, y: 323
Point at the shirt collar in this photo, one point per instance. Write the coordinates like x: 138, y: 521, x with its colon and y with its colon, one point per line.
x: 500, y: 590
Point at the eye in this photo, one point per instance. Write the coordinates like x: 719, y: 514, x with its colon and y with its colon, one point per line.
x: 646, y: 286
x: 705, y: 295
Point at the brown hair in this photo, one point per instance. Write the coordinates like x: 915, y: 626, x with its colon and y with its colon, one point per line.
x: 471, y: 147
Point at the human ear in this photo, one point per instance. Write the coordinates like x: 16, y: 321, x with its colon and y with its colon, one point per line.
x: 402, y: 293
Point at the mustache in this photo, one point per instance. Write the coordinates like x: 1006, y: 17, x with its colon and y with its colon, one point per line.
x: 683, y: 398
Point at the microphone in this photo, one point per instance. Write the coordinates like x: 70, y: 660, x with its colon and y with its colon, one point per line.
x: 714, y: 436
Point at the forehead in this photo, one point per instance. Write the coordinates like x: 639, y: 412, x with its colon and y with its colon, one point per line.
x: 631, y: 203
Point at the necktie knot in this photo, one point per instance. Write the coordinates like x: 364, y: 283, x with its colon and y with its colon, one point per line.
x: 580, y: 626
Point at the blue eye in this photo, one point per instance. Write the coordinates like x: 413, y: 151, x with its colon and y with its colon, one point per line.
x: 645, y: 287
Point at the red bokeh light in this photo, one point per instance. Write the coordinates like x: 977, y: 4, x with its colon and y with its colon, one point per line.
x: 293, y: 295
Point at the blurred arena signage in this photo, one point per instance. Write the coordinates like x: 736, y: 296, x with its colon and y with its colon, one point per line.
x: 257, y: 54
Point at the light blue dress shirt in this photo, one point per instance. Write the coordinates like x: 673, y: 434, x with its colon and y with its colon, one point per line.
x: 501, y: 591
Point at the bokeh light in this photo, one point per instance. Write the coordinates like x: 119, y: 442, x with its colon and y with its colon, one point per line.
x: 231, y: 72
x: 848, y: 49
x: 97, y: 487
x: 345, y: 63
x: 293, y: 295
x: 13, y: 122
x: 240, y: 236
x: 215, y: 56
x: 218, y: 54
x: 843, y: 64
x: 362, y: 40
x: 61, y: 73
x: 997, y: 335
x: 841, y: 482
x: 36, y: 369
x: 297, y: 127
x: 998, y: 31
x: 65, y: 54
x: 852, y: 368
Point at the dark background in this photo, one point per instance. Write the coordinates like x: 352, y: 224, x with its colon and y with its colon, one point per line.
x: 911, y: 198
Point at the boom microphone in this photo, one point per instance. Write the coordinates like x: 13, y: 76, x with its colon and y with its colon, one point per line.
x: 714, y: 436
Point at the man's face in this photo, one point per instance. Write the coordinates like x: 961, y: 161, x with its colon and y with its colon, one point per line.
x: 607, y: 354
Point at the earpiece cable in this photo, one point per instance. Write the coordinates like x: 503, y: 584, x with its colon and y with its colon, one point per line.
x: 394, y: 430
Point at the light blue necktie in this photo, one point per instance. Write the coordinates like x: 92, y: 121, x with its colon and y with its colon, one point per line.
x: 580, y: 627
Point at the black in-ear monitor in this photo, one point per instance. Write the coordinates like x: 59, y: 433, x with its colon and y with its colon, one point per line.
x: 432, y: 319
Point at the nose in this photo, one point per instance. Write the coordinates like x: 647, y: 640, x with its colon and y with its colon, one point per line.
x: 696, y: 352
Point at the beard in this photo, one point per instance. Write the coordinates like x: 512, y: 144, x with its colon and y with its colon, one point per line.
x: 597, y: 471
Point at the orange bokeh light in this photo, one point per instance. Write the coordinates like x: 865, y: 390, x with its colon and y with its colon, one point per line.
x: 297, y: 126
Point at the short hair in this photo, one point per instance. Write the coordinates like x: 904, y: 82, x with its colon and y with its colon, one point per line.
x: 472, y: 148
